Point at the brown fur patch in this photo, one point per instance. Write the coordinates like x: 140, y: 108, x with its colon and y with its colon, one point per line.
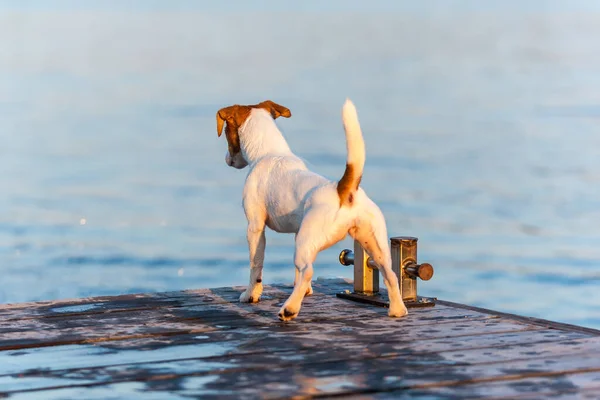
x: 233, y: 117
x: 348, y: 185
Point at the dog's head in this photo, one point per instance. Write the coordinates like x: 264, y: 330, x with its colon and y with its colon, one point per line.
x: 234, y: 117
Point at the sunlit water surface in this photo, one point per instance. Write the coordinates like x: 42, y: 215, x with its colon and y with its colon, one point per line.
x: 481, y: 126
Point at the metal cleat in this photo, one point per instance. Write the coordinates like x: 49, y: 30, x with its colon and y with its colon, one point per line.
x: 404, y: 265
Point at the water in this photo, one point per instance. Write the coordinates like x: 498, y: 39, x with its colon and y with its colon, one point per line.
x: 481, y: 124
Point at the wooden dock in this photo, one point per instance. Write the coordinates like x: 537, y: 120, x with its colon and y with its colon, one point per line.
x: 204, y: 344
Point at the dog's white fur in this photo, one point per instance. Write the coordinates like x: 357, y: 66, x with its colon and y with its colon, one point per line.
x: 281, y: 193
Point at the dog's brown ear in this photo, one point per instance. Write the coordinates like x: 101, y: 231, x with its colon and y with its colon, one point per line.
x: 223, y: 115
x: 234, y: 115
x: 276, y: 110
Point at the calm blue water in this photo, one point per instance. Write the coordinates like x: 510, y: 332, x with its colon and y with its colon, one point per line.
x: 481, y: 121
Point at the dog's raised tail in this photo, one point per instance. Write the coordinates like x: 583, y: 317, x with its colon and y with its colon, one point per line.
x: 355, y: 163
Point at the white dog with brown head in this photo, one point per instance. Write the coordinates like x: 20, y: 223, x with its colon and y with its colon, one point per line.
x: 281, y: 193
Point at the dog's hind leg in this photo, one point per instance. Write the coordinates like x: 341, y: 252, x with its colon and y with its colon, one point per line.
x: 304, y: 265
x: 256, y: 246
x: 372, y: 236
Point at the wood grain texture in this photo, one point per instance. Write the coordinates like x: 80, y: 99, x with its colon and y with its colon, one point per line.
x: 203, y: 343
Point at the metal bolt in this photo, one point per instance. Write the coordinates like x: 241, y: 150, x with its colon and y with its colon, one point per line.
x: 347, y: 258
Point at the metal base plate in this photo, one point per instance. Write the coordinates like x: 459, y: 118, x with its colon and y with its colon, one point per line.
x: 380, y: 301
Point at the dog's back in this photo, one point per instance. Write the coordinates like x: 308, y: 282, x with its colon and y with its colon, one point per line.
x: 281, y: 184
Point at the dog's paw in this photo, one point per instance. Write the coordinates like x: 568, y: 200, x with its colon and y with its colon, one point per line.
x: 397, y: 311
x: 288, y: 313
x: 251, y: 295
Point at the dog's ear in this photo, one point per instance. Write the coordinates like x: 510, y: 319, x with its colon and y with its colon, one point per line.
x: 276, y: 110
x: 220, y: 122
x: 234, y: 115
x: 224, y: 114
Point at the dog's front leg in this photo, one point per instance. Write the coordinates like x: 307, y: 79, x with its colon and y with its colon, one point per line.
x: 256, y: 246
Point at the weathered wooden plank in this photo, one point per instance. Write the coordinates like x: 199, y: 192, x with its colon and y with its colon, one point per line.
x: 328, y: 307
x: 524, y: 319
x: 141, y: 302
x: 135, y: 302
x: 337, y: 377
x: 227, y: 359
x: 240, y: 341
x: 577, y: 386
x: 204, y: 343
x: 193, y: 321
x: 129, y: 391
x: 580, y: 393
x: 132, y: 302
x: 207, y: 317
x: 91, y: 305
x: 193, y: 387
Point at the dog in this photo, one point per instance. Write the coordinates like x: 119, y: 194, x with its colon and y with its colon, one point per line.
x: 283, y: 194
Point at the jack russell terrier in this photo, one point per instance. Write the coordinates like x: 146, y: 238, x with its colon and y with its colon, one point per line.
x: 281, y: 193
